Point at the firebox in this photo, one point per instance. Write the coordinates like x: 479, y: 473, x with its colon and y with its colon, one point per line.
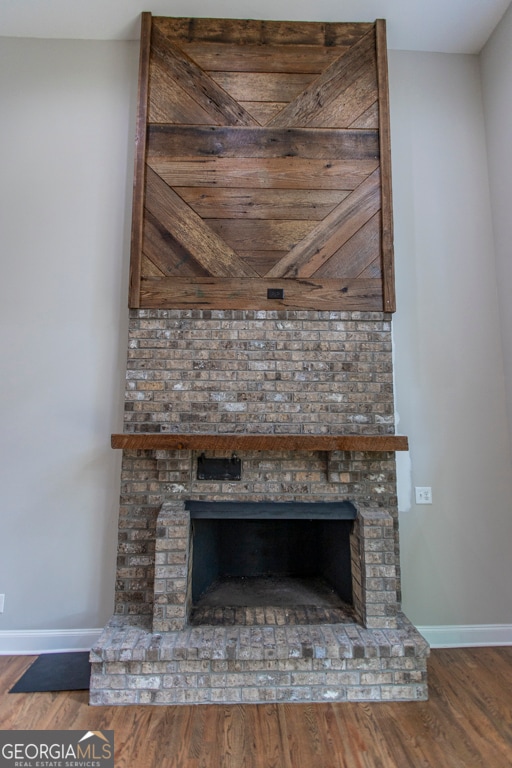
x: 290, y: 557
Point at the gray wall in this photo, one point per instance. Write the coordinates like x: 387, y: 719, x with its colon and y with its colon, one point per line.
x: 450, y: 387
x: 66, y: 133
x: 67, y: 126
x: 496, y: 62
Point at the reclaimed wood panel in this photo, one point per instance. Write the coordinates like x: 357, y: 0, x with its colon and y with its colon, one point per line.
x: 213, y: 99
x: 263, y: 86
x: 358, y: 254
x: 368, y: 119
x: 261, y: 32
x: 341, y: 83
x: 173, y: 141
x: 170, y: 103
x: 289, y: 59
x: 264, y: 111
x: 333, y: 232
x: 165, y: 252
x: 265, y: 147
x: 248, y: 203
x: 261, y: 261
x: 329, y: 294
x: 260, y: 235
x: 197, y: 239
x: 149, y: 268
x: 373, y: 270
x: 278, y: 173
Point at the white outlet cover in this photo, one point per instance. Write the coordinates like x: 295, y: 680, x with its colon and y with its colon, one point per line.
x: 423, y: 494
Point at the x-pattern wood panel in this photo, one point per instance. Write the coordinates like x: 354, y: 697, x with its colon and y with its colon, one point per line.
x: 261, y: 166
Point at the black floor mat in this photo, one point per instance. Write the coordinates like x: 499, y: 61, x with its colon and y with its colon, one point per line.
x: 56, y: 672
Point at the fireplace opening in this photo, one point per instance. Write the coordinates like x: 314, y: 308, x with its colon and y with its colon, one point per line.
x: 253, y: 558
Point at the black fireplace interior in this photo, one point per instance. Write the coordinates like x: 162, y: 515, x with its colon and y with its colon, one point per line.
x: 251, y: 554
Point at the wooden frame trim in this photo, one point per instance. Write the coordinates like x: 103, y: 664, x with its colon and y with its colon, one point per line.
x: 145, y: 441
x: 388, y: 267
x: 140, y: 153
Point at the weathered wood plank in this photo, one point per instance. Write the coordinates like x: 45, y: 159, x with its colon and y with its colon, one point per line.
x: 333, y: 232
x: 175, y: 28
x: 388, y: 267
x: 256, y: 442
x: 279, y: 173
x: 329, y: 86
x: 162, y: 249
x: 373, y: 270
x: 189, y: 230
x: 177, y: 292
x: 261, y: 261
x: 148, y: 269
x: 139, y: 170
x: 225, y: 57
x: 263, y: 86
x: 261, y: 235
x: 213, y: 99
x: 356, y: 98
x: 169, y: 103
x: 356, y: 255
x: 312, y: 204
x: 175, y: 141
x: 312, y: 33
x: 251, y: 31
x: 241, y: 31
x: 263, y: 111
x: 369, y: 119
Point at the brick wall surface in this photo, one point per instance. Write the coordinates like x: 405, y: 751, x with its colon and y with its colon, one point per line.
x: 258, y: 371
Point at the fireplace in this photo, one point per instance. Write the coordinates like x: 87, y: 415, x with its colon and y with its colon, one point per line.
x: 258, y: 555
x: 172, y: 641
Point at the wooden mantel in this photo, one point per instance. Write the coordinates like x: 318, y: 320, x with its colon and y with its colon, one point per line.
x: 253, y: 442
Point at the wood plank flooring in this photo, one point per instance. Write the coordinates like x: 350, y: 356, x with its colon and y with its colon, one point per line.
x: 467, y: 723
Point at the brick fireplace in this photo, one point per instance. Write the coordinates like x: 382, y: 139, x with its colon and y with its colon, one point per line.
x: 334, y: 634
x: 258, y: 555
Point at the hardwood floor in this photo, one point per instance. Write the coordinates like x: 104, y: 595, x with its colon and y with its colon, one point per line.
x: 466, y: 723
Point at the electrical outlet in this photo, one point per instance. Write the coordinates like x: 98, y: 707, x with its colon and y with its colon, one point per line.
x: 423, y: 495
x: 2, y: 603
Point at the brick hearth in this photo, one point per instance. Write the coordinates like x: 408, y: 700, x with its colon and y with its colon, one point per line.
x: 258, y: 664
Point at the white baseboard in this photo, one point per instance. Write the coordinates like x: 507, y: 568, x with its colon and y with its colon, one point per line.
x: 32, y: 642
x: 467, y: 636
